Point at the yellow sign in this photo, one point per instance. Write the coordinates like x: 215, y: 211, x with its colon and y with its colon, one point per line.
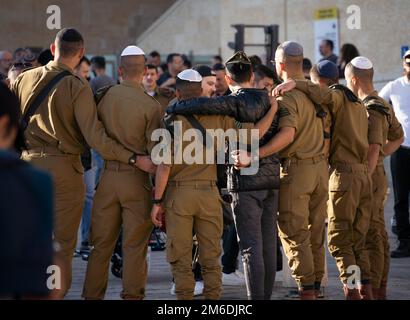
x: 323, y: 14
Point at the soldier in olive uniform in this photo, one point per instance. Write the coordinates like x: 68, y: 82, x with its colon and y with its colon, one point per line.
x: 123, y: 195
x: 386, y: 137
x: 58, y: 132
x: 304, y: 177
x: 350, y: 185
x: 192, y: 201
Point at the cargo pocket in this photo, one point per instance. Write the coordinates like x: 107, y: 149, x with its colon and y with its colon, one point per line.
x: 285, y: 194
x: 339, y: 235
x: 172, y: 252
x: 78, y: 167
x: 339, y: 184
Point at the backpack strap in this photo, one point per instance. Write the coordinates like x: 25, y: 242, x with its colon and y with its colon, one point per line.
x: 99, y: 95
x: 347, y: 92
x: 31, y: 110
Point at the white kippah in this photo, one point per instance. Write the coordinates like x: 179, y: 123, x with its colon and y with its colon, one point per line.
x: 190, y: 75
x: 132, y: 51
x: 362, y: 63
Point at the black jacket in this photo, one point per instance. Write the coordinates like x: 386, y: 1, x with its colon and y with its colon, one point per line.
x: 26, y: 218
x: 246, y: 105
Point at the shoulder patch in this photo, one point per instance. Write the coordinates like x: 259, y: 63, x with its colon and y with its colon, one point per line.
x: 346, y: 91
x: 283, y: 112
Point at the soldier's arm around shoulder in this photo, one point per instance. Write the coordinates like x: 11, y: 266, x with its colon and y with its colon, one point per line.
x: 153, y: 122
x: 241, y: 107
x: 318, y: 94
x: 85, y: 112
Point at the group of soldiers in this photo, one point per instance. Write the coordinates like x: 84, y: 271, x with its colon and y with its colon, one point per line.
x: 320, y: 157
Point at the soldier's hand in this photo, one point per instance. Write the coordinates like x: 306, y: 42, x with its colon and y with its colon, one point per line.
x: 145, y: 164
x: 156, y: 215
x: 242, y: 158
x: 167, y: 92
x: 288, y: 85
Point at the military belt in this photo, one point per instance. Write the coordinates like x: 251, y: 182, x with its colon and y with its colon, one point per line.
x: 193, y: 184
x: 350, y: 168
x: 286, y: 162
x: 118, y: 166
x: 49, y: 151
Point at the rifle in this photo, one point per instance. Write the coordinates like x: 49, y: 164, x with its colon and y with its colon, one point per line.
x: 245, y: 253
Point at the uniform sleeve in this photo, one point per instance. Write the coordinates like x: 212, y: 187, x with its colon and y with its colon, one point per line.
x: 318, y: 94
x: 396, y: 130
x: 153, y: 122
x: 375, y: 133
x: 85, y: 112
x: 288, y: 114
x: 386, y: 92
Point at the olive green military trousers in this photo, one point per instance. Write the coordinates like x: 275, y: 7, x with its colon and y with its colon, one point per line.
x: 377, y: 241
x: 69, y: 192
x: 302, y: 213
x: 194, y: 207
x: 122, y: 198
x: 349, y: 211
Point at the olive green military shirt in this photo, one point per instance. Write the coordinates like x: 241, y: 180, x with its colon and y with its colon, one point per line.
x: 383, y: 124
x: 296, y: 110
x: 67, y: 119
x: 203, y: 171
x: 130, y: 116
x: 163, y: 100
x: 349, y: 141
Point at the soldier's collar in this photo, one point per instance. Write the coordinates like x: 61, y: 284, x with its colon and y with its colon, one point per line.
x: 59, y: 65
x: 298, y: 77
x: 131, y: 84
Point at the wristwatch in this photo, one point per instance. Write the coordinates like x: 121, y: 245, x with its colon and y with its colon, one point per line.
x: 157, y: 201
x: 133, y: 160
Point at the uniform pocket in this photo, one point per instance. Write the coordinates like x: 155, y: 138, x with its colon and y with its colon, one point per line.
x: 78, y: 167
x: 172, y: 253
x: 340, y: 182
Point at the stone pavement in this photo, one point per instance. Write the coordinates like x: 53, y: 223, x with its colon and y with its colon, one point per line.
x: 159, y: 280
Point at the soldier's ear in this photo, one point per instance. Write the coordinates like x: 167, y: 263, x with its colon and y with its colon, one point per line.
x: 178, y: 94
x: 228, y: 80
x: 53, y: 48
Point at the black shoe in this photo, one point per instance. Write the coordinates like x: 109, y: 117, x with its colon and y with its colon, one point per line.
x: 393, y: 225
x: 402, y: 251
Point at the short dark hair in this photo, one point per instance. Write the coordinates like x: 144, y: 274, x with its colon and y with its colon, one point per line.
x: 262, y: 71
x: 45, y: 57
x: 240, y: 72
x: 307, y: 64
x: 255, y: 60
x: 219, y: 67
x: 99, y: 62
x: 188, y: 90
x: 86, y: 60
x: 10, y: 106
x: 330, y: 43
x: 151, y: 66
x: 171, y: 57
x: 155, y: 54
x: 69, y: 42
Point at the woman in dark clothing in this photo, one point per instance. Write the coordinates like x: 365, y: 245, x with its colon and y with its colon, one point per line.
x: 26, y: 212
x: 347, y: 53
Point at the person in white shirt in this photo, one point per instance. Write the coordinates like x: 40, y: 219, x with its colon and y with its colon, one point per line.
x: 398, y: 94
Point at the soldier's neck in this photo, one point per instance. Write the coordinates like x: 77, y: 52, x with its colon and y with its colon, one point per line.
x: 67, y: 62
x: 365, y: 91
x: 293, y: 75
x: 236, y: 86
